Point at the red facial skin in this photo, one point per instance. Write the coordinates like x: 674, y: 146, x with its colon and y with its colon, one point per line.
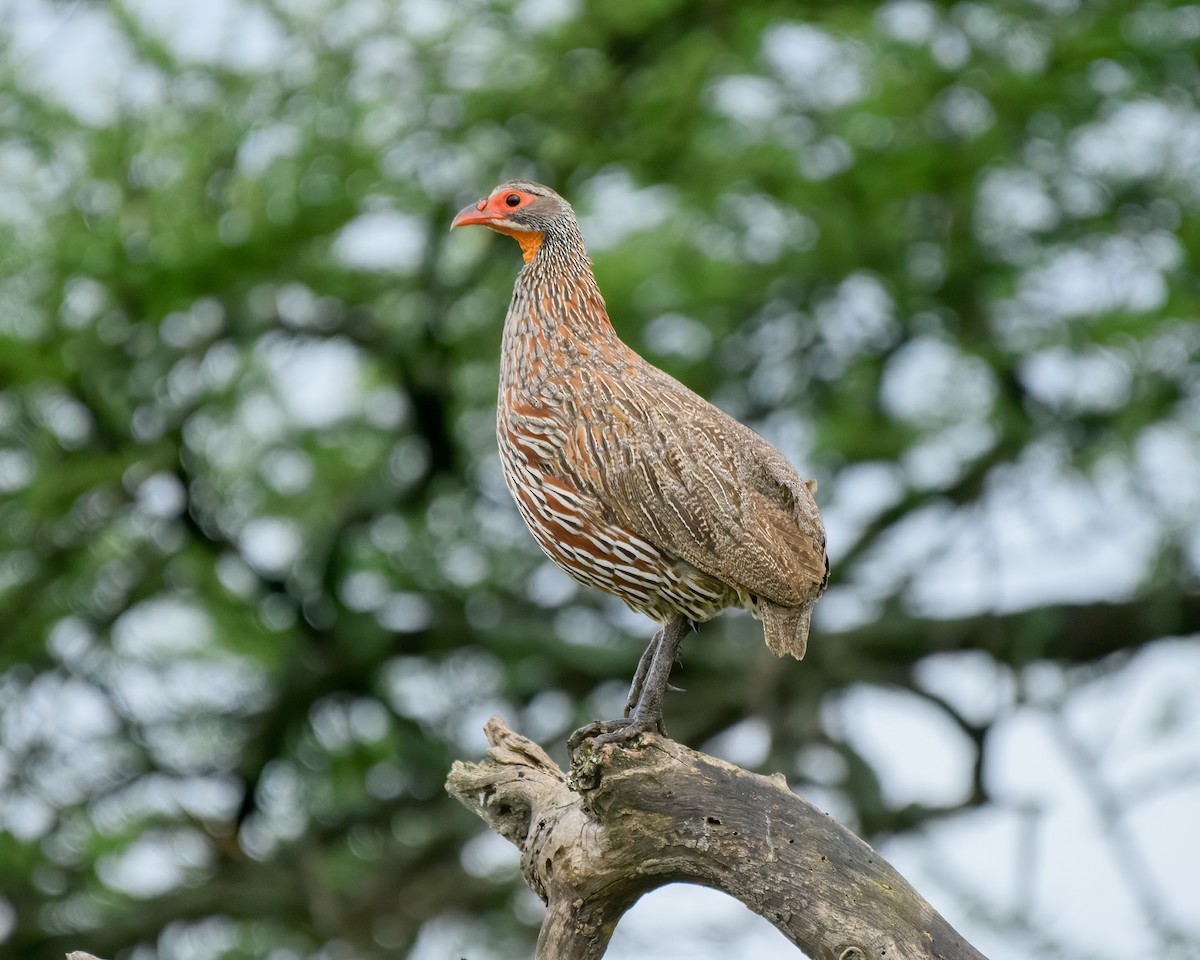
x: 493, y: 212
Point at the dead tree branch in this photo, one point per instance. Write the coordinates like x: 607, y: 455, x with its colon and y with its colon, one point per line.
x: 627, y: 821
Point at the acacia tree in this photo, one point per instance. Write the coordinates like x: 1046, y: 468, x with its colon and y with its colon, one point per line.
x: 259, y: 576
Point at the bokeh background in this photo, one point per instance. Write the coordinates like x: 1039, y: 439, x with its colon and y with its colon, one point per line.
x: 260, y: 580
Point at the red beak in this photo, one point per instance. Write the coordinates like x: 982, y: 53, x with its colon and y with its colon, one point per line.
x: 473, y: 213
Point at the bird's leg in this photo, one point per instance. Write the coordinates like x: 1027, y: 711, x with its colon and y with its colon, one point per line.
x: 639, y: 676
x: 647, y: 713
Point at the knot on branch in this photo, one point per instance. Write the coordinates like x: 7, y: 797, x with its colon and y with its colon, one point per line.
x: 516, y: 784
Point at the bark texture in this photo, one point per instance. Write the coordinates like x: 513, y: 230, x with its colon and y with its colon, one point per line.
x: 626, y: 820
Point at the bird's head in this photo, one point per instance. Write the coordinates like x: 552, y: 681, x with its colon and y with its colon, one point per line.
x: 522, y: 209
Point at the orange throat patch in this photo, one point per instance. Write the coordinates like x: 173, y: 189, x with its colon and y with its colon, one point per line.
x: 530, y: 241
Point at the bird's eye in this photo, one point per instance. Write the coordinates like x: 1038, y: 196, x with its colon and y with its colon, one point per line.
x: 513, y: 199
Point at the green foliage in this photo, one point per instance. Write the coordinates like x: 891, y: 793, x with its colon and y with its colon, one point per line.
x: 259, y: 578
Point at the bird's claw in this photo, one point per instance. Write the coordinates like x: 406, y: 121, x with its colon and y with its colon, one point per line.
x: 622, y: 731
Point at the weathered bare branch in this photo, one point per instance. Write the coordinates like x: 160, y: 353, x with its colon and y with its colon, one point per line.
x: 626, y: 821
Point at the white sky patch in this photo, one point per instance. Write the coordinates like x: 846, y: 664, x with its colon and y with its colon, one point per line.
x: 1168, y: 464
x: 364, y: 590
x: 489, y: 855
x: 1139, y: 141
x: 164, y: 795
x: 338, y: 724
x: 319, y: 381
x: 746, y: 743
x: 747, y: 98
x: 264, y: 146
x: 1094, y: 278
x: 938, y: 459
x: 159, y: 694
x: 424, y: 19
x: 826, y: 158
x: 1094, y: 380
x: 767, y: 227
x: 1143, y: 719
x: 382, y: 240
x: 965, y: 111
x: 298, y: 306
x: 289, y: 471
x: 162, y: 627
x: 478, y: 44
x: 856, y: 496
x: 1013, y: 202
x: 1166, y: 827
x: 904, y: 546
x: 1118, y: 726
x: 17, y: 470
x: 1115, y: 273
x: 918, y: 752
x: 53, y: 709
x: 858, y: 317
x: 352, y: 22
x: 1045, y: 847
x: 270, y: 544
x: 59, y: 729
x: 19, y: 192
x: 388, y: 76
x: 77, y: 56
x: 1024, y: 763
x: 405, y: 613
x: 673, y: 334
x: 155, y: 863
x: 549, y: 586
x: 539, y: 15
x: 259, y: 420
x: 754, y: 228
x: 683, y: 922
x: 435, y: 693
x: 929, y: 382
x: 615, y: 208
x: 909, y: 21
x: 971, y: 681
x: 950, y: 48
x: 232, y: 33
x: 1108, y: 77
x: 1042, y: 535
x: 820, y: 71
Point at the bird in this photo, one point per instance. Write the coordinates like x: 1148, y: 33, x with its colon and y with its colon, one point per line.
x: 627, y: 479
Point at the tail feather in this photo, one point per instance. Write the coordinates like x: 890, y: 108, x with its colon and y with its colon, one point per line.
x: 786, y: 628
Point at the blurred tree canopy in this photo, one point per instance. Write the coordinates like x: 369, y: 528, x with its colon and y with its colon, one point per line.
x: 260, y: 580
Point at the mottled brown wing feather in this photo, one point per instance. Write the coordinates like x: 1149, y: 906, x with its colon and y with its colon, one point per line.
x: 707, y: 489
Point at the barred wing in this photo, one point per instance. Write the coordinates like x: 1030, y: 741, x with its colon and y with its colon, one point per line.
x: 703, y: 487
